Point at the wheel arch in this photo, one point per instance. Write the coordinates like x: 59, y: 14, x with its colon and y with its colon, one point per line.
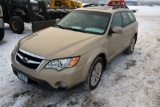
x: 90, y: 61
x: 135, y: 36
x: 103, y: 56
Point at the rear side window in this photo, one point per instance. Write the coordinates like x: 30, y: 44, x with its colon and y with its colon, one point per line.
x: 117, y: 21
x: 126, y: 19
x: 131, y: 16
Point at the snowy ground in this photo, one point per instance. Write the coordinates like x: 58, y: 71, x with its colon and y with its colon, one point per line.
x: 129, y: 81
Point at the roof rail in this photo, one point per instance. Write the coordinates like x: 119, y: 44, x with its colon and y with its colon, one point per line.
x: 118, y: 6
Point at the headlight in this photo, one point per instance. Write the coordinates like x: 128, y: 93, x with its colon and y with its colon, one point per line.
x: 60, y: 64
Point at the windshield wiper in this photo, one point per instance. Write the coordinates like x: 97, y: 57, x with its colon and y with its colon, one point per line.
x: 80, y: 30
x: 60, y: 26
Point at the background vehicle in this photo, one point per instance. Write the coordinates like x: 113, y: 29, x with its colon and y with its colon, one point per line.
x: 16, y: 12
x: 60, y: 8
x: 63, y: 3
x: 1, y: 24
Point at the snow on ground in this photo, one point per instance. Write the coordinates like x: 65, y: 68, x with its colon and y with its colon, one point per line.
x: 129, y: 81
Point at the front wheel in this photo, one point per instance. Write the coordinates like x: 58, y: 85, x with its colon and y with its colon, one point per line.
x: 94, y: 74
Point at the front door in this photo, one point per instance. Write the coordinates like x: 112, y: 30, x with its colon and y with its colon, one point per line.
x: 115, y: 40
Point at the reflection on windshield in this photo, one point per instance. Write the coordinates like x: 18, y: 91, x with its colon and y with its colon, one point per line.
x: 86, y: 21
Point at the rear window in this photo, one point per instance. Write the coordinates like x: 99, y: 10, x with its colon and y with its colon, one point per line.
x: 126, y: 19
x: 131, y: 16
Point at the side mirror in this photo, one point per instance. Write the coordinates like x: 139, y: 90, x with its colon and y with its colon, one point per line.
x: 57, y: 20
x: 118, y: 30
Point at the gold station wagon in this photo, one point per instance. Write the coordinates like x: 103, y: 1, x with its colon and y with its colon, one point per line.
x: 77, y: 49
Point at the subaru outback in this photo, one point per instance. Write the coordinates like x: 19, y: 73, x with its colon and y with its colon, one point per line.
x: 77, y: 49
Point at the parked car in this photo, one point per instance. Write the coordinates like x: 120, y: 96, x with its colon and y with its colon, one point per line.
x: 77, y: 49
x: 1, y: 24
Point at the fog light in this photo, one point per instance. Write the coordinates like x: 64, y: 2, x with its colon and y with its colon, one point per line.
x: 62, y: 85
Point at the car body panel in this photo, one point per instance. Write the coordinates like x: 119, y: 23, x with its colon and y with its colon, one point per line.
x: 60, y: 46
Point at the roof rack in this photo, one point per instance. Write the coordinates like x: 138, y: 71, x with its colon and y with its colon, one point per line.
x: 116, y: 7
x: 115, y: 4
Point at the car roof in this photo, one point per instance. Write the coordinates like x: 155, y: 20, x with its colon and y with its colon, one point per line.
x: 106, y: 9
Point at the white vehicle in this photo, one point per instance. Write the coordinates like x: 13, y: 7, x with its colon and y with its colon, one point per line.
x: 1, y: 24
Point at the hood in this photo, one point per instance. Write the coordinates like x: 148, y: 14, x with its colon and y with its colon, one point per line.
x: 53, y: 43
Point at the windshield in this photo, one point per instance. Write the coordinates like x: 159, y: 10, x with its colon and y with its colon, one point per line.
x: 86, y: 21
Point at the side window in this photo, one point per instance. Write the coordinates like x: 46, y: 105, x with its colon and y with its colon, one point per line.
x: 126, y: 19
x: 117, y: 21
x: 131, y: 16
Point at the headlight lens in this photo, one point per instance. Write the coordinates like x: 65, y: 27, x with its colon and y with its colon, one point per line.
x: 60, y: 64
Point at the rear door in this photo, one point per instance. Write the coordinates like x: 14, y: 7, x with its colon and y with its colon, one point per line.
x: 128, y: 29
x: 134, y: 23
x: 115, y: 40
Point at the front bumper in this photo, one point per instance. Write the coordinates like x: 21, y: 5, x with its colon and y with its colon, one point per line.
x: 48, y: 78
x: 36, y: 82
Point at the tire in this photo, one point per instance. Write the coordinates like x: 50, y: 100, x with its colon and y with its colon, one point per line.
x: 1, y: 33
x: 130, y: 49
x: 89, y: 84
x: 16, y: 25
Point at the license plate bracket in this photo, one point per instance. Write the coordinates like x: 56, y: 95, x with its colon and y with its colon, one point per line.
x: 23, y: 77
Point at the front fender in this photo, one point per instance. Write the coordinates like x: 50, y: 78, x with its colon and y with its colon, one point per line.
x: 89, y: 57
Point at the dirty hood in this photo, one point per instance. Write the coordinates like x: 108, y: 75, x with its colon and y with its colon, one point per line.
x: 53, y: 43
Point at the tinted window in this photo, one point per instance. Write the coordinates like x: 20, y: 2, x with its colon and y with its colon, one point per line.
x: 117, y: 21
x: 131, y: 16
x: 126, y: 19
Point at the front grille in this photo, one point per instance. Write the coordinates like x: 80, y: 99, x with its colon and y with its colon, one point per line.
x: 28, y: 60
